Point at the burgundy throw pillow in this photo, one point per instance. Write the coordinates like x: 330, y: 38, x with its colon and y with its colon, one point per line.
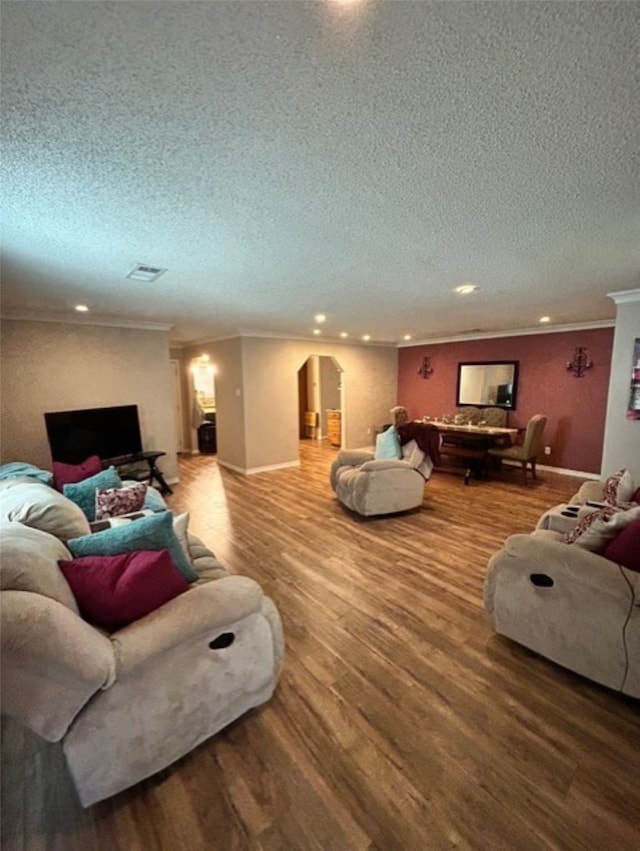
x: 624, y: 549
x: 113, y: 591
x: 70, y: 474
x: 114, y: 502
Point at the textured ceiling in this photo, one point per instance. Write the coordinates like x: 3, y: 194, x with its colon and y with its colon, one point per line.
x: 284, y: 158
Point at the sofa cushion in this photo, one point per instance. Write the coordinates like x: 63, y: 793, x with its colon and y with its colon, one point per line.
x: 388, y: 445
x: 619, y: 488
x: 114, y: 502
x: 148, y: 533
x: 30, y: 563
x: 114, y: 591
x: 68, y: 474
x: 595, y: 530
x: 22, y: 470
x: 624, y: 549
x: 84, y: 493
x: 41, y: 507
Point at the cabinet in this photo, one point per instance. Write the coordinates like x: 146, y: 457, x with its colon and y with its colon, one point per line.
x: 334, y: 427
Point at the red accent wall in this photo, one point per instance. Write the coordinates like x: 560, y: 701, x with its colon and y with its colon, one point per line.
x: 576, y: 407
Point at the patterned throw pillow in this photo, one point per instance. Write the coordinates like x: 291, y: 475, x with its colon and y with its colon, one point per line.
x: 84, y: 493
x: 595, y: 530
x: 619, y: 488
x: 113, y: 502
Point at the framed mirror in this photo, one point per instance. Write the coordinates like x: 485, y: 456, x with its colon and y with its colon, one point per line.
x: 488, y: 384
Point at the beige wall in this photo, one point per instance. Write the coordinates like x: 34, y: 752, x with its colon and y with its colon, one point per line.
x: 257, y: 395
x: 622, y: 436
x: 270, y: 369
x: 50, y: 366
x: 226, y: 357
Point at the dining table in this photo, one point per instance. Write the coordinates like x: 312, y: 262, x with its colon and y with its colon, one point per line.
x: 470, y: 444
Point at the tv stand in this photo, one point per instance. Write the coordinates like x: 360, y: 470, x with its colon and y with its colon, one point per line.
x: 141, y: 466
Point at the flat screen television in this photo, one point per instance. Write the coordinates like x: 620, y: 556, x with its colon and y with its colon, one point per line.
x: 106, y: 432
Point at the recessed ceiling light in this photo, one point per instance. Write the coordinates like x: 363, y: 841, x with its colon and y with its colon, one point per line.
x: 82, y: 308
x: 320, y: 317
x: 316, y: 331
x: 544, y: 319
x: 343, y: 334
x: 407, y: 337
x: 366, y: 337
x: 465, y: 289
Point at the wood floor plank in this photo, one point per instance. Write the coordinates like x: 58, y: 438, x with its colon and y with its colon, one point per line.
x: 400, y: 722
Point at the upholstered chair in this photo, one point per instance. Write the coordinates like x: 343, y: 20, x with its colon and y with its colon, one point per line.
x: 530, y: 449
x: 494, y: 417
x: 469, y: 414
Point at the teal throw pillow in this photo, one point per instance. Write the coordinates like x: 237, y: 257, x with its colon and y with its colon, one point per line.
x: 84, y: 493
x: 388, y: 445
x: 148, y: 533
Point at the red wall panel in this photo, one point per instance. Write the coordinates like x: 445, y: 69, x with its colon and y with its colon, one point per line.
x: 576, y: 407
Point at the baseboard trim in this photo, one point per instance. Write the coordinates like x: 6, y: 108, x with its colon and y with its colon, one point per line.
x: 250, y: 471
x: 562, y: 470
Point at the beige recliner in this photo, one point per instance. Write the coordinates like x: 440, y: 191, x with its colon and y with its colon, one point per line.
x: 372, y: 487
x: 127, y: 704
x: 384, y: 486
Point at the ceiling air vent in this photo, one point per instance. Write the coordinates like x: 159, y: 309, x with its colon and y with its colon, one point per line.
x: 140, y: 272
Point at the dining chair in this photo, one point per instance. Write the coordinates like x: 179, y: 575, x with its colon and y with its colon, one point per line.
x: 531, y: 447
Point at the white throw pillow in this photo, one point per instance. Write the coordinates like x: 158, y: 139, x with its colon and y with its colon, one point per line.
x: 619, y: 488
x: 41, y: 507
x: 596, y: 530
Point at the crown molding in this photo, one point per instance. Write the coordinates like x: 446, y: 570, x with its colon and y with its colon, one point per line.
x: 87, y: 320
x: 273, y: 335
x: 518, y: 332
x: 625, y: 296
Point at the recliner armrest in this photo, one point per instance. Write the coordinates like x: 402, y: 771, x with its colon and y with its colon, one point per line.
x: 354, y: 457
x: 202, y: 610
x: 385, y: 464
x: 590, y: 491
x: 52, y: 662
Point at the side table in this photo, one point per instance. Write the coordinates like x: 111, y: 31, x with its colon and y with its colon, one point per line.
x: 132, y: 469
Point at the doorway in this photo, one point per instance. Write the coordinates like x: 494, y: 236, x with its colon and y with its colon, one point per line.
x: 204, y: 408
x: 177, y: 404
x: 320, y: 406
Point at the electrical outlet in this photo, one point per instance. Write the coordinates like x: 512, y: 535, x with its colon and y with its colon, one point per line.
x: 547, y: 450
x: 369, y: 431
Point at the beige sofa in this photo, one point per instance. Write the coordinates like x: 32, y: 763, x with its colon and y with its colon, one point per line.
x: 124, y: 705
x: 571, y: 605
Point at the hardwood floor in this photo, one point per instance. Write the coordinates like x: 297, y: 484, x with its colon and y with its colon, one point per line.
x: 400, y: 721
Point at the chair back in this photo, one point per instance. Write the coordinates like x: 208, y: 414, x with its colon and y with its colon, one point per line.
x: 468, y: 414
x: 532, y: 445
x: 495, y: 417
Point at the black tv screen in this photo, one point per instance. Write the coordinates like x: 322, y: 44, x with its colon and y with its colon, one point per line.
x: 106, y: 432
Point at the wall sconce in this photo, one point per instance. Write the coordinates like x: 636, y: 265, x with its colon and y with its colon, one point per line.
x: 425, y: 369
x: 580, y: 362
